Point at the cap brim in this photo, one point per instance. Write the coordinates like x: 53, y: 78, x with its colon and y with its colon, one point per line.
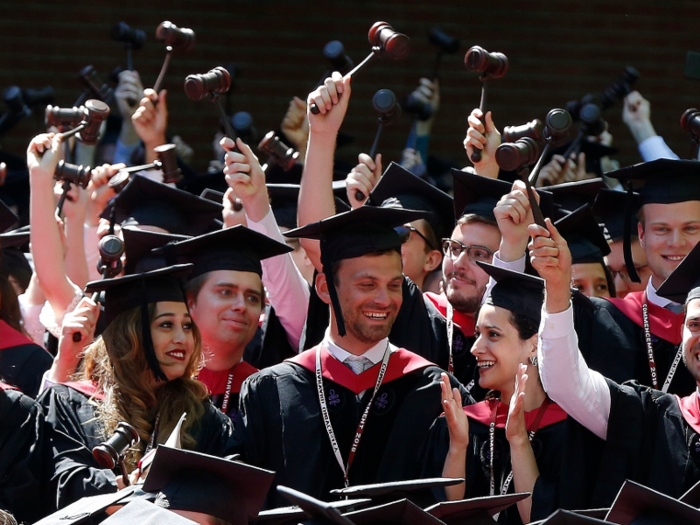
x: 397, y: 487
x: 683, y: 279
x: 177, y: 271
x: 314, y: 507
x: 635, y: 500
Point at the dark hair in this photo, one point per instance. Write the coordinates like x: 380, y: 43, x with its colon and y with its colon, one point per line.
x: 525, y: 326
x: 194, y: 286
x: 611, y: 280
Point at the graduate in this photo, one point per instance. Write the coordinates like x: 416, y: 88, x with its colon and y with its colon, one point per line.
x: 225, y: 297
x: 141, y: 371
x: 651, y: 437
x: 355, y: 409
x: 515, y: 440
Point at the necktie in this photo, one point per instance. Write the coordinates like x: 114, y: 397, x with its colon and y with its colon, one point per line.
x: 675, y: 308
x: 358, y: 364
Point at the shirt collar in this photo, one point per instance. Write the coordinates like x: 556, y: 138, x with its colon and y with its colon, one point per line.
x: 374, y: 354
x: 655, y: 298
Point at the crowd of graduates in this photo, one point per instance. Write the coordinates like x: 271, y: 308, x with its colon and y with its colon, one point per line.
x: 269, y: 339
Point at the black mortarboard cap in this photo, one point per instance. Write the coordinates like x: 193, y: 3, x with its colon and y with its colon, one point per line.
x: 584, y: 236
x: 140, y: 290
x: 321, y: 511
x: 636, y: 504
x: 7, y: 217
x: 692, y: 495
x: 399, y: 188
x: 283, y: 201
x: 18, y: 238
x: 212, y: 195
x: 146, y: 202
x: 682, y: 285
x: 393, y: 490
x: 666, y: 181
x: 402, y: 512
x: 294, y: 514
x: 609, y: 208
x: 475, y: 510
x: 188, y: 480
x: 84, y: 509
x: 236, y: 248
x: 517, y: 292
x: 573, y: 195
x: 353, y: 234
x: 142, y: 512
x: 479, y: 195
x: 567, y: 517
x: 138, y: 245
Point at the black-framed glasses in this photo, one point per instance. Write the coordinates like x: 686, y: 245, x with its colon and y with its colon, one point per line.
x: 624, y: 275
x: 453, y: 249
x: 405, y: 233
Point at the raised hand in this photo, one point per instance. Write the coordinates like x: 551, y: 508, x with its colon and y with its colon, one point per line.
x: 43, y: 155
x: 457, y: 421
x: 363, y: 178
x: 516, y: 430
x: 513, y: 215
x: 246, y: 177
x: 332, y: 100
x: 295, y: 125
x: 550, y: 256
x: 150, y: 120
x: 483, y: 135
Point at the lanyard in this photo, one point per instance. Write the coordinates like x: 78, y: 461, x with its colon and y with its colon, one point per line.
x: 363, y: 419
x: 450, y: 334
x: 227, y: 393
x: 650, y: 353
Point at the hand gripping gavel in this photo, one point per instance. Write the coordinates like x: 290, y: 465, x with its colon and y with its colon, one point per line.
x: 132, y: 38
x: 166, y: 162
x: 111, y: 249
x: 446, y: 44
x: 416, y: 107
x: 91, y: 116
x: 490, y: 65
x: 110, y: 453
x: 214, y: 83
x: 388, y: 110
x: 384, y: 39
x: 592, y: 124
x: 174, y: 38
x: 279, y: 153
x: 70, y: 174
x: 690, y: 122
x: 620, y: 88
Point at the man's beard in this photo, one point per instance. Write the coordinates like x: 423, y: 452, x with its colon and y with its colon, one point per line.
x: 368, y: 334
x: 694, y: 371
x: 463, y: 303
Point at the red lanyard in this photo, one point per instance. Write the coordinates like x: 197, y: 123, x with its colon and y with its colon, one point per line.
x: 363, y: 419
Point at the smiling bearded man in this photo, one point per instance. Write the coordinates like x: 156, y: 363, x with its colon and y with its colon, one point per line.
x: 373, y: 401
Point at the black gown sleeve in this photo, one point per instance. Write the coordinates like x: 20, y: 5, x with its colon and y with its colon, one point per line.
x: 21, y: 445
x: 72, y: 432
x: 215, y: 435
x: 23, y: 367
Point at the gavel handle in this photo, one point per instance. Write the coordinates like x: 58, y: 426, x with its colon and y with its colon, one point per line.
x: 62, y: 199
x: 534, y: 206
x: 534, y: 175
x: 227, y: 122
x: 125, y: 475
x: 375, y: 51
x: 575, y: 146
x: 476, y: 154
x: 372, y: 152
x: 75, y: 130
x: 77, y: 336
x: 163, y: 69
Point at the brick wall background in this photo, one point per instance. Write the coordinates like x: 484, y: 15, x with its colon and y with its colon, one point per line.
x: 558, y: 50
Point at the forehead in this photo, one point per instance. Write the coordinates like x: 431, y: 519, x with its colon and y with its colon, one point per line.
x: 385, y: 266
x: 692, y: 309
x: 478, y: 233
x: 680, y: 212
x: 172, y: 307
x: 588, y: 271
x: 233, y: 278
x: 490, y: 315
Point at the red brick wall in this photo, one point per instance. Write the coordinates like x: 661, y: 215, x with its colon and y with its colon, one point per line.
x: 558, y: 50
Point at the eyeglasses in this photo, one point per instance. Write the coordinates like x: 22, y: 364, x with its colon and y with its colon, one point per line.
x: 453, y: 249
x: 624, y: 275
x: 405, y: 234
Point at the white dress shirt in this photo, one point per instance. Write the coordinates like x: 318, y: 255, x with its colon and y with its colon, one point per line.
x: 655, y: 148
x: 374, y: 354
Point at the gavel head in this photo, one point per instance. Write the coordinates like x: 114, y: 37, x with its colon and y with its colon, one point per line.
x: 393, y: 43
x: 98, y: 90
x: 444, y: 42
x: 122, y: 32
x: 533, y: 129
x: 556, y: 126
x: 3, y: 173
x: 63, y: 118
x: 574, y: 106
x: 38, y: 97
x: 111, y: 249
x: 592, y: 123
x: 387, y: 107
x: 279, y: 152
x: 620, y: 88
x: 119, y: 180
x: 12, y: 96
x: 78, y: 175
x: 109, y: 453
x: 215, y: 82
x: 511, y: 156
x: 690, y: 122
x: 175, y: 37
x: 334, y: 51
x: 96, y: 112
x: 242, y: 124
x: 419, y: 109
x: 167, y: 155
x: 493, y: 65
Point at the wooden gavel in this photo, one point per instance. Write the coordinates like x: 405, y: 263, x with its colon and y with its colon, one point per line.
x: 132, y: 39
x: 446, y: 44
x: 92, y: 115
x: 384, y: 39
x: 166, y: 162
x: 278, y: 152
x: 94, y: 87
x: 491, y: 66
x: 592, y: 124
x: 173, y: 37
x: 111, y: 453
x: 533, y: 129
x: 690, y: 122
x: 71, y: 174
x: 213, y: 83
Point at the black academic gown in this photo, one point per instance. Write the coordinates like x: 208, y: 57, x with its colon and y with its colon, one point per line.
x: 270, y: 345
x: 73, y: 431
x: 281, y: 426
x: 652, y: 440
x: 21, y: 443
x: 22, y: 363
x: 419, y: 326
x: 557, y: 458
x: 218, y: 382
x: 612, y: 342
